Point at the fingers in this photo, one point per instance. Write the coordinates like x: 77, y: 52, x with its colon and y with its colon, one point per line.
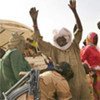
x: 33, y: 9
x: 37, y: 11
x: 72, y: 4
x: 22, y: 73
x: 69, y: 5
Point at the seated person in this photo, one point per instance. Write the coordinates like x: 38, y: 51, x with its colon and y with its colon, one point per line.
x: 54, y: 83
x: 12, y: 63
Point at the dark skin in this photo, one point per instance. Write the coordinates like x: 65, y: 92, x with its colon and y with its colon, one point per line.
x: 95, y: 40
x: 98, y: 25
x: 61, y: 40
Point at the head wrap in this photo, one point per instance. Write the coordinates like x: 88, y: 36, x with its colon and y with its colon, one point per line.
x: 91, y: 37
x: 66, y: 33
x: 16, y: 41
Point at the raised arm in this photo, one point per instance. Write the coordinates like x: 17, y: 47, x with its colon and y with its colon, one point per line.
x: 43, y: 45
x: 34, y: 14
x: 78, y: 26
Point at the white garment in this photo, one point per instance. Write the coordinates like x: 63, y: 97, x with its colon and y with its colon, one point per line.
x: 67, y: 34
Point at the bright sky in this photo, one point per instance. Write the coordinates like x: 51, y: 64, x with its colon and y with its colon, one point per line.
x: 53, y: 14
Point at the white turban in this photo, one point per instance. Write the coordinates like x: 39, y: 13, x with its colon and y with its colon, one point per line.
x: 68, y: 36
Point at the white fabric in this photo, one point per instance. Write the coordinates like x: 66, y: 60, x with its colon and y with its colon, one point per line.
x: 97, y: 68
x: 67, y: 34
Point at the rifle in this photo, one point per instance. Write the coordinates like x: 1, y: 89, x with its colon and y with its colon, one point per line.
x: 31, y: 85
x: 34, y: 84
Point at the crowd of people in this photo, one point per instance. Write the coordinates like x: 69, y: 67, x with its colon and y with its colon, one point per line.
x: 68, y: 72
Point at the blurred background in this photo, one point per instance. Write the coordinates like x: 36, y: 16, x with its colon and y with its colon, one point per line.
x: 53, y: 14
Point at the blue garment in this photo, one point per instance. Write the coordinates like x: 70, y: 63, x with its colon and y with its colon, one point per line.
x: 50, y: 65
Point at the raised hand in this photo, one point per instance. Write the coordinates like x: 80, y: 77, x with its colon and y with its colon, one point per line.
x: 72, y: 4
x: 33, y: 13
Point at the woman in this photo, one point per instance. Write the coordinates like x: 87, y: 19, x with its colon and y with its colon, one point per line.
x: 91, y: 56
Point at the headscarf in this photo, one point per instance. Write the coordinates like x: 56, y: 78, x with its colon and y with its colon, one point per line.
x: 16, y: 41
x: 67, y: 34
x: 91, y: 38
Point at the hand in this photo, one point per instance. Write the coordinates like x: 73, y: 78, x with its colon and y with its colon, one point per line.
x: 72, y: 4
x: 34, y: 13
x: 22, y: 73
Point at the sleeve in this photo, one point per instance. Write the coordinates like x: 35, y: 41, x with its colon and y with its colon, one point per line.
x: 78, y: 36
x: 18, y: 63
x: 84, y: 53
x: 63, y: 90
x: 45, y: 47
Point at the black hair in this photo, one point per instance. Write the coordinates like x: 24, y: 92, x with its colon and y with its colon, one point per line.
x: 98, y: 25
x: 65, y: 70
x: 29, y: 40
x: 2, y: 52
x: 95, y: 40
x: 62, y: 68
x: 84, y: 42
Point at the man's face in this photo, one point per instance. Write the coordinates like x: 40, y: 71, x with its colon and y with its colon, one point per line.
x: 63, y: 40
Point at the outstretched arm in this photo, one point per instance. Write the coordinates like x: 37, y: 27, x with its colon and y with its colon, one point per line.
x: 44, y: 46
x: 34, y: 14
x: 79, y: 29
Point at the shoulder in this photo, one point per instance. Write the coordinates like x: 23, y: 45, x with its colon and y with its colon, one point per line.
x: 87, y: 47
x: 46, y: 77
x: 46, y: 74
x: 15, y: 53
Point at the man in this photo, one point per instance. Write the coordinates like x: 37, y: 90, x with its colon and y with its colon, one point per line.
x: 53, y: 83
x: 66, y: 50
x: 12, y: 63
